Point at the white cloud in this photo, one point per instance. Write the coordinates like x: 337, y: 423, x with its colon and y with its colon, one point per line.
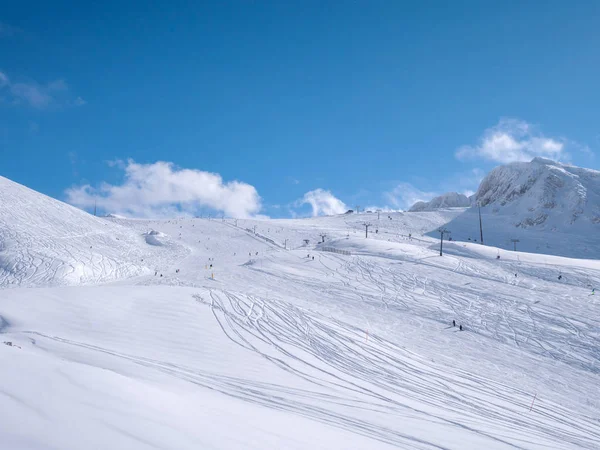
x: 4, y: 81
x: 404, y: 195
x: 31, y: 93
x: 514, y: 140
x: 161, y: 189
x: 38, y: 95
x: 116, y: 163
x: 79, y: 101
x: 323, y: 203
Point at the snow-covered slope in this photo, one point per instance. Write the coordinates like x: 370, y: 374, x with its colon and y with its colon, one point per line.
x: 46, y: 242
x: 254, y: 339
x: 448, y: 200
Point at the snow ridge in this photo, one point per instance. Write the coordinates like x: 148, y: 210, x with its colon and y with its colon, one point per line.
x: 448, y: 200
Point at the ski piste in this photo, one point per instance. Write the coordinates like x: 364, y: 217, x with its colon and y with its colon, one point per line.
x: 349, y: 350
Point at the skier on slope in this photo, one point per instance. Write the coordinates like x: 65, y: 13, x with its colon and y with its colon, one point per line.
x: 460, y: 328
x: 454, y: 323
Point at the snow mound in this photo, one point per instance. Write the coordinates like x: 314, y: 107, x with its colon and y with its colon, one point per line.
x: 448, y: 200
x: 154, y: 238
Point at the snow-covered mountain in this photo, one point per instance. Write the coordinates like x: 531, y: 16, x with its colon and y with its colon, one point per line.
x: 543, y: 194
x: 448, y: 200
x: 550, y: 207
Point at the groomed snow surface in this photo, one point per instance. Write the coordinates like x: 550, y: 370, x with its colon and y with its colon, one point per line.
x: 270, y: 348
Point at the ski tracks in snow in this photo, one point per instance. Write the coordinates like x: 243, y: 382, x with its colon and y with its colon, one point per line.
x: 378, y: 376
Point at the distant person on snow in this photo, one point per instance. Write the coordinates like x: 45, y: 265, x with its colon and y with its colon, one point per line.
x: 313, y: 258
x: 560, y: 277
x: 461, y: 328
x: 454, y: 323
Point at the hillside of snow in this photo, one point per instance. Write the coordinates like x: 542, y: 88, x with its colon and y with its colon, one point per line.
x: 46, y: 242
x: 257, y: 334
x: 449, y: 200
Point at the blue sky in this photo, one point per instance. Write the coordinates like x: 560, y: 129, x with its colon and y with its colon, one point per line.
x: 298, y: 107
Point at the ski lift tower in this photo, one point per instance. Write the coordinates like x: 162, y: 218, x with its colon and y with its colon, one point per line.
x: 514, y: 241
x: 480, y: 224
x: 442, y: 230
x: 367, y: 225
